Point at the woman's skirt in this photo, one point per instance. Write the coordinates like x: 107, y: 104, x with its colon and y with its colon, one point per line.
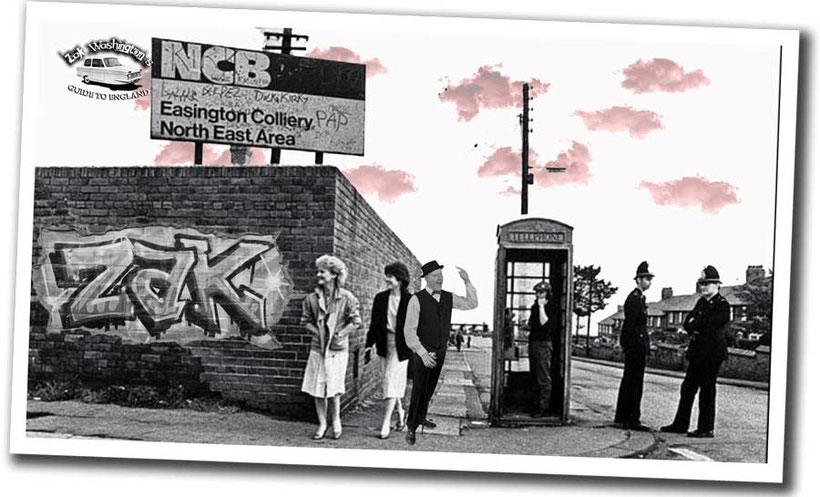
x: 325, y: 377
x: 394, y: 373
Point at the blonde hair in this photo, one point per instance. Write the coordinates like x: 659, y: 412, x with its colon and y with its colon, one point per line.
x: 335, y: 266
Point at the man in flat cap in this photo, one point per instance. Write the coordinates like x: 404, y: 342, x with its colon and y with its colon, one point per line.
x: 706, y: 325
x: 545, y: 318
x: 635, y: 344
x: 427, y: 331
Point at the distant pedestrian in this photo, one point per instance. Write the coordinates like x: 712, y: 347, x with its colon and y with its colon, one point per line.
x: 635, y: 344
x: 470, y: 338
x: 544, y: 322
x: 426, y: 330
x: 706, y: 325
x: 331, y: 314
x: 459, y: 338
x: 387, y: 334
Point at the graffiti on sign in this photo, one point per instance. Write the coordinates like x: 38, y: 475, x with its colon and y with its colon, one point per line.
x: 262, y: 99
x: 162, y: 283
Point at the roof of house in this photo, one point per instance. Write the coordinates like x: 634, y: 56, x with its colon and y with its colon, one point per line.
x: 679, y: 303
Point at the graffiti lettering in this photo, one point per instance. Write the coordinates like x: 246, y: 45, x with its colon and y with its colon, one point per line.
x: 334, y: 120
x: 167, y: 280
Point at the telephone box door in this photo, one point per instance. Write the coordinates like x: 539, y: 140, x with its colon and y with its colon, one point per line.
x: 531, y: 251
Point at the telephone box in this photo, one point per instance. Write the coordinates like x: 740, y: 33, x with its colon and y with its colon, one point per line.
x: 529, y: 251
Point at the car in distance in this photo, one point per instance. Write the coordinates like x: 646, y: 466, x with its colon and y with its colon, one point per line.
x: 107, y: 70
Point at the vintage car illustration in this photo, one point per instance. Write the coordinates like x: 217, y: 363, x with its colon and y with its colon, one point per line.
x: 107, y: 70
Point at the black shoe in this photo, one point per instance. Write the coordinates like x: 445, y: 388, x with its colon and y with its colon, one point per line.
x: 637, y: 427
x: 427, y: 423
x: 411, y: 437
x: 701, y: 434
x: 673, y: 429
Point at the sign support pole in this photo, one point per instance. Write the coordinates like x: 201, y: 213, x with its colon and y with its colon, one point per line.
x: 197, y: 153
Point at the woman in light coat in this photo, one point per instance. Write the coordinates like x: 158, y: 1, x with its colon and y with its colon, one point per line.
x: 331, y: 314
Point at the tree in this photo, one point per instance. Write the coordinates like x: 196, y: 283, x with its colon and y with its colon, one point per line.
x: 590, y: 293
x: 758, y: 295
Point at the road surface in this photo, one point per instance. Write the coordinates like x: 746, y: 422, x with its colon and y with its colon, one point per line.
x: 741, y: 420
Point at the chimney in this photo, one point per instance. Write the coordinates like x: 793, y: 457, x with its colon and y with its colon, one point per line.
x: 666, y: 293
x: 755, y: 273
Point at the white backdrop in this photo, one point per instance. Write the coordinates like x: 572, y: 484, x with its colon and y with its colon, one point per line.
x: 52, y: 476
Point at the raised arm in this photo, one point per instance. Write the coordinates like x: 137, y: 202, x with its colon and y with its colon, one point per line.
x: 470, y: 301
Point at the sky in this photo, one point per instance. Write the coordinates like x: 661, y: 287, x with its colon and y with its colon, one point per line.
x: 669, y: 143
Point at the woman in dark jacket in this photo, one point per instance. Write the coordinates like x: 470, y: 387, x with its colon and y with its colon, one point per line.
x: 387, y: 334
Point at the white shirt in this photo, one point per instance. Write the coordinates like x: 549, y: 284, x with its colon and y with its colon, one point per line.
x: 392, y: 311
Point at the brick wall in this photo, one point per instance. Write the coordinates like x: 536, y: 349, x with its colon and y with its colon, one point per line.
x: 313, y: 210
x: 366, y: 245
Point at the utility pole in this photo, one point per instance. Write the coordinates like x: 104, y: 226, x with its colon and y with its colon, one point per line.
x: 285, y: 46
x: 526, y: 176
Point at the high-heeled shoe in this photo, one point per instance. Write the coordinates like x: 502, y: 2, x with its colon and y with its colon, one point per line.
x: 401, y: 424
x: 320, y: 434
x: 337, y: 434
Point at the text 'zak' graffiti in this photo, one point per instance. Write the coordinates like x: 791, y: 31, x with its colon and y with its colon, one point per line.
x: 163, y: 283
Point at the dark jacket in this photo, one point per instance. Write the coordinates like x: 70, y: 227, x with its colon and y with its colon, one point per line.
x: 378, y: 325
x: 634, y: 337
x: 706, y: 325
x: 549, y: 330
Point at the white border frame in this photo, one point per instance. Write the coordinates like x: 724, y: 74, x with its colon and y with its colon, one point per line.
x: 772, y: 471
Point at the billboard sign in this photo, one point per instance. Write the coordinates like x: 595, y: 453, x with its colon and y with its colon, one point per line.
x: 243, y: 97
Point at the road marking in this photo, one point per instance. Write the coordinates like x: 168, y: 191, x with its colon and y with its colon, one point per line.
x: 690, y: 454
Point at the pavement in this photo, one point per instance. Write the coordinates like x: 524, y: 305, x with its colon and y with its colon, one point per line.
x: 459, y: 409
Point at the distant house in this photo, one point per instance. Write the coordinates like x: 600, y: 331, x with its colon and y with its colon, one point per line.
x: 667, y: 314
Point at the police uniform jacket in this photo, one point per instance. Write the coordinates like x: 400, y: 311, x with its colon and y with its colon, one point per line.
x: 634, y: 337
x: 706, y: 325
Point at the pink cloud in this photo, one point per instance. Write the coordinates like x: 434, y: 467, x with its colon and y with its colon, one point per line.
x: 341, y: 54
x: 258, y: 158
x: 506, y: 162
x: 144, y: 102
x: 510, y: 192
x: 638, y: 122
x: 661, y: 75
x: 176, y: 153
x: 503, y: 162
x: 387, y: 184
x: 576, y: 161
x: 710, y: 196
x: 490, y: 89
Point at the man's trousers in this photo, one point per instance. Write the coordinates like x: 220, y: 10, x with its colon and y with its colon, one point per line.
x: 628, y: 410
x: 540, y: 353
x: 701, y: 375
x: 424, y: 385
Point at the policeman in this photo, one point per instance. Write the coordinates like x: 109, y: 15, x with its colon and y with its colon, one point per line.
x: 706, y: 325
x: 635, y: 344
x: 545, y: 318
